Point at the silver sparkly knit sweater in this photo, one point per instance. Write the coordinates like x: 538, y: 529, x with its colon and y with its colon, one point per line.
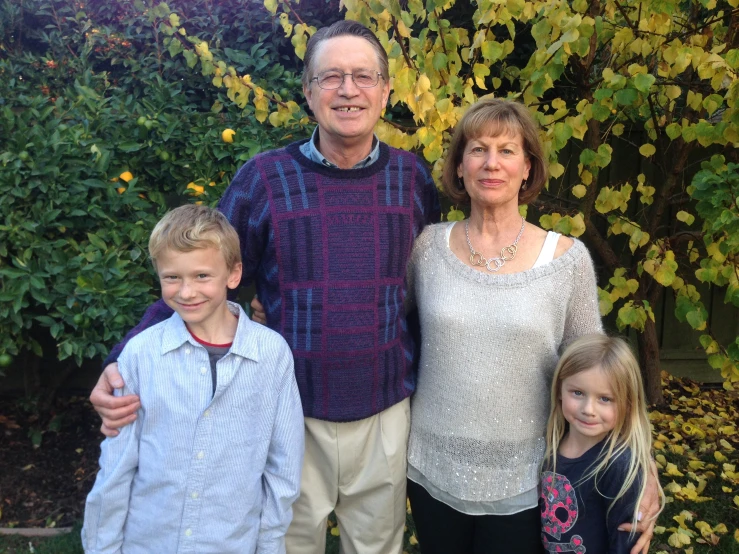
x: 490, y: 344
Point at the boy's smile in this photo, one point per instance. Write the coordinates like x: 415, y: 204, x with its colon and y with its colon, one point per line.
x: 194, y: 284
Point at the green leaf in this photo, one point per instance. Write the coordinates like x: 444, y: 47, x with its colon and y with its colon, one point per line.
x: 97, y: 242
x: 626, y: 97
x: 440, y: 61
x: 643, y: 82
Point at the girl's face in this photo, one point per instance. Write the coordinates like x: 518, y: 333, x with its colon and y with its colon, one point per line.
x: 589, y: 406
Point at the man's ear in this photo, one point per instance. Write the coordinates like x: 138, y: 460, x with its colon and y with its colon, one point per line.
x: 308, y: 95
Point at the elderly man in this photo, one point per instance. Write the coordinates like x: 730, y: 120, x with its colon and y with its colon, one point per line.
x: 326, y: 228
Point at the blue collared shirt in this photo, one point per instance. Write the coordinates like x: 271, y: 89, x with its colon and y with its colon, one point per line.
x: 196, y: 474
x: 310, y: 151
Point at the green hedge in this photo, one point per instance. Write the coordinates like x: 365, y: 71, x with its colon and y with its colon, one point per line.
x: 86, y: 95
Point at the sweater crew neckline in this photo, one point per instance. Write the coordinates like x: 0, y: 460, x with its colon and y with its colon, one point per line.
x: 357, y: 173
x: 506, y: 279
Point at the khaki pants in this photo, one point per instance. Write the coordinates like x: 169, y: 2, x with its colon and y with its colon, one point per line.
x: 357, y: 469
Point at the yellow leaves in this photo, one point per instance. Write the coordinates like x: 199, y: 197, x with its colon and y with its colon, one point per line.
x: 694, y: 99
x: 567, y: 225
x: 685, y: 217
x: 672, y: 471
x: 646, y: 191
x: 719, y: 456
x: 637, y: 237
x: 455, y: 215
x: 261, y: 105
x: 578, y: 191
x: 680, y: 538
x: 197, y: 190
x: 480, y: 71
x: 634, y: 315
x: 556, y: 170
x: 299, y: 40
x: 662, y: 270
x: 647, y: 150
x: 201, y: 49
x: 610, y: 199
x: 622, y: 39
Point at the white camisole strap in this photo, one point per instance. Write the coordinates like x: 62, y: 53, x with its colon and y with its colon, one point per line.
x: 547, y: 250
x: 449, y: 232
x: 546, y: 254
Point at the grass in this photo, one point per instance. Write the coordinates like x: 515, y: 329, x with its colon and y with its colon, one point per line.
x: 697, y: 452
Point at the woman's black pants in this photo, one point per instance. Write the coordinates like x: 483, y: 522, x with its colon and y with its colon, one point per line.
x: 441, y: 529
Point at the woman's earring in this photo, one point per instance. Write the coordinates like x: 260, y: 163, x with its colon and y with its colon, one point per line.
x: 524, y: 185
x: 460, y: 183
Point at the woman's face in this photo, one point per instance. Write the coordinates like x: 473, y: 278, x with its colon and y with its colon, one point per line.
x: 493, y: 169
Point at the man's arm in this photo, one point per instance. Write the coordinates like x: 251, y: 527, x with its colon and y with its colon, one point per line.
x: 119, y: 411
x: 281, y: 479
x: 108, y: 502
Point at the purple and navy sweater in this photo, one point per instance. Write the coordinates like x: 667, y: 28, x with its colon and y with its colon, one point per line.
x: 327, y: 249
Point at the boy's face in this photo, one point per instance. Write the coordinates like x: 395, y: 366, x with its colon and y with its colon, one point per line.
x: 194, y: 284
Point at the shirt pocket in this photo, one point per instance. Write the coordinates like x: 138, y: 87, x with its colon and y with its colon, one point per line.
x: 248, y: 421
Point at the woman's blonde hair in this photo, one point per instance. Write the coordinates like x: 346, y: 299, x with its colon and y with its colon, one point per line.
x: 632, y: 431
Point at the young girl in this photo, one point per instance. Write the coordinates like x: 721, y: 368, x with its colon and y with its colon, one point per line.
x: 598, y: 449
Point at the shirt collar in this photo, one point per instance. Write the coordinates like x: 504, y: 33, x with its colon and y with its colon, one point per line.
x: 310, y: 150
x: 244, y: 344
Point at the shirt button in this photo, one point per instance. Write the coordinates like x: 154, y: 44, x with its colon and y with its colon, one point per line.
x: 206, y: 413
x: 187, y: 350
x: 188, y: 532
x: 194, y: 495
x: 203, y: 370
x: 201, y: 455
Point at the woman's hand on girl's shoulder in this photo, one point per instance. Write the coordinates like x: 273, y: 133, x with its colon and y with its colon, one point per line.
x: 649, y: 509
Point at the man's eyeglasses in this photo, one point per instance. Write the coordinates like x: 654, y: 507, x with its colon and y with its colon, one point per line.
x: 331, y: 80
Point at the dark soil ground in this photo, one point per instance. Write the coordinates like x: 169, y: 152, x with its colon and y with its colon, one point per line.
x: 47, y: 485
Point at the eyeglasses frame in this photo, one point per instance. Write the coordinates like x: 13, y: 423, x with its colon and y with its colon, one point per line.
x: 343, y: 78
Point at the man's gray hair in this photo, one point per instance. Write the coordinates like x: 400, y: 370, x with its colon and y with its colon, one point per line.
x: 340, y: 29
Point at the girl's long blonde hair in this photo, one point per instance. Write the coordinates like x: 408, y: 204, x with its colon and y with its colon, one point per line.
x: 632, y: 431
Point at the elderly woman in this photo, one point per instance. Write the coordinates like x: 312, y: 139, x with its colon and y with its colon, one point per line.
x: 498, y: 299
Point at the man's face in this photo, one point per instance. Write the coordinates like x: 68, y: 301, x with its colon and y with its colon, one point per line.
x: 346, y: 116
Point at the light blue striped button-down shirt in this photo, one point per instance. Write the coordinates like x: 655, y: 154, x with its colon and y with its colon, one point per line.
x: 194, y: 473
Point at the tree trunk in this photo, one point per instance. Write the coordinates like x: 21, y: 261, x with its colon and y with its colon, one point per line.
x: 650, y: 366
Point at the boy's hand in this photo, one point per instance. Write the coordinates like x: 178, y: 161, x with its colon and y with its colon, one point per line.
x: 649, y: 509
x: 116, y: 411
x: 257, y: 311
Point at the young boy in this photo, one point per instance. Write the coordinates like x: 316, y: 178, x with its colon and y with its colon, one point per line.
x: 212, y: 463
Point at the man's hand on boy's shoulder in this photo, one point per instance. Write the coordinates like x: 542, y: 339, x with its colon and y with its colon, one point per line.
x: 115, y: 411
x: 257, y: 311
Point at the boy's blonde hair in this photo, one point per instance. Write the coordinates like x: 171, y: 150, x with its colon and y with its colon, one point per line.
x: 192, y: 227
x: 612, y: 356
